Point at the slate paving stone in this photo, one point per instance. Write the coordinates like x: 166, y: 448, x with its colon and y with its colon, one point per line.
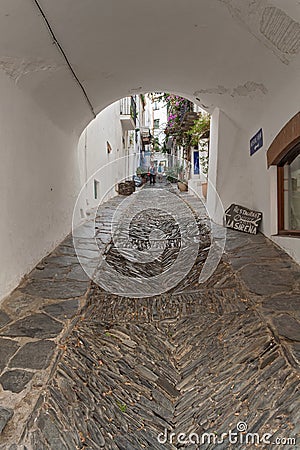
x: 4, y: 319
x: 288, y: 327
x: 7, y: 349
x: 55, y: 289
x: 263, y: 252
x: 87, y: 253
x: 35, y: 326
x: 167, y: 387
x: 199, y: 357
x: 5, y: 415
x: 77, y: 273
x: 68, y: 241
x: 36, y: 441
x: 296, y: 351
x: 48, y: 272
x: 60, y: 260
x: 15, y: 380
x: 18, y: 304
x: 65, y: 250
x: 266, y: 279
x: 34, y: 355
x: 235, y: 240
x: 51, y: 433
x: 63, y: 310
x: 284, y: 302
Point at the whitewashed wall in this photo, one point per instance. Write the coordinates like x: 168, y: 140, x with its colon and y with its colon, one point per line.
x: 244, y: 179
x: 114, y: 167
x: 42, y: 171
x: 272, y: 118
x: 39, y: 180
x: 93, y: 155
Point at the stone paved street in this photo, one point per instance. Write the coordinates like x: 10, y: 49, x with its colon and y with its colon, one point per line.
x: 83, y: 368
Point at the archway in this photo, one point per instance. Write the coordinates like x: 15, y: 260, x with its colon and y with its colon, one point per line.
x: 88, y: 55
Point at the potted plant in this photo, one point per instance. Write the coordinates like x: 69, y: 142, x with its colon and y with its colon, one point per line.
x: 181, y: 183
x: 142, y: 173
x: 204, y: 189
x: 171, y: 175
x: 204, y: 165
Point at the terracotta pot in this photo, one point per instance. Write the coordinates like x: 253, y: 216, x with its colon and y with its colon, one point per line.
x: 204, y: 190
x: 183, y: 187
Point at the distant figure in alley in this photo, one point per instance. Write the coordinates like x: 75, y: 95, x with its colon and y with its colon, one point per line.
x: 152, y: 172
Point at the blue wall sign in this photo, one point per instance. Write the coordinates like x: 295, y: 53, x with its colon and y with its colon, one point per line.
x: 256, y: 142
x: 196, y: 163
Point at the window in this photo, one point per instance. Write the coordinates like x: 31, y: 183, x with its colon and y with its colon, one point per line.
x: 284, y: 152
x: 96, y: 189
x: 289, y: 193
x: 156, y: 123
x: 108, y: 147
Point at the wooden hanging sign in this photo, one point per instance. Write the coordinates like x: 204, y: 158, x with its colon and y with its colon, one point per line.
x: 242, y: 219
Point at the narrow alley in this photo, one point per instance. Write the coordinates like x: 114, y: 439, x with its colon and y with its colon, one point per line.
x: 85, y: 368
x: 150, y: 224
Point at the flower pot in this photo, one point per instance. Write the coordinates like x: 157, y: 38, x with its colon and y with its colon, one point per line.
x: 204, y: 190
x: 126, y: 188
x: 183, y: 187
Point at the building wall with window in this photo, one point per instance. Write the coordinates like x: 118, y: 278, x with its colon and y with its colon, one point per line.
x: 265, y: 190
x: 144, y: 141
x: 159, y: 121
x: 283, y: 157
x: 109, y: 149
x: 102, y: 149
x: 248, y: 180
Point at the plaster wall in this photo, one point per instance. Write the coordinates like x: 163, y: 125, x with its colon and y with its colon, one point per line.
x: 108, y: 169
x: 148, y: 115
x: 38, y: 184
x: 244, y: 179
x: 228, y: 177
x: 95, y: 163
x: 213, y: 167
x: 272, y: 119
x: 161, y: 114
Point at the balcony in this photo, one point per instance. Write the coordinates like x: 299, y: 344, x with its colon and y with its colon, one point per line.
x: 146, y: 135
x: 187, y: 115
x: 189, y: 120
x: 128, y: 113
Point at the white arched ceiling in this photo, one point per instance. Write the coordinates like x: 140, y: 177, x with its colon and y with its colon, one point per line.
x: 63, y: 61
x: 235, y: 54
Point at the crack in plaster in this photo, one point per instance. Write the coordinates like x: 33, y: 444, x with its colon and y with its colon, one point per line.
x: 248, y: 88
x: 244, y: 10
x: 137, y: 90
x: 219, y: 90
x: 16, y: 68
x: 107, y: 75
x: 242, y: 90
x: 271, y: 26
x: 281, y: 30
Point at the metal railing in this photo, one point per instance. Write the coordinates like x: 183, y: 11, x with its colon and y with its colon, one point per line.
x: 187, y: 106
x: 128, y: 107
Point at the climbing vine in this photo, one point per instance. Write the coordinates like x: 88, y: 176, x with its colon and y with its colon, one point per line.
x: 198, y: 133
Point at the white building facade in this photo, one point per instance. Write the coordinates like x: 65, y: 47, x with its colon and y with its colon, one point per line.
x: 112, y: 147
